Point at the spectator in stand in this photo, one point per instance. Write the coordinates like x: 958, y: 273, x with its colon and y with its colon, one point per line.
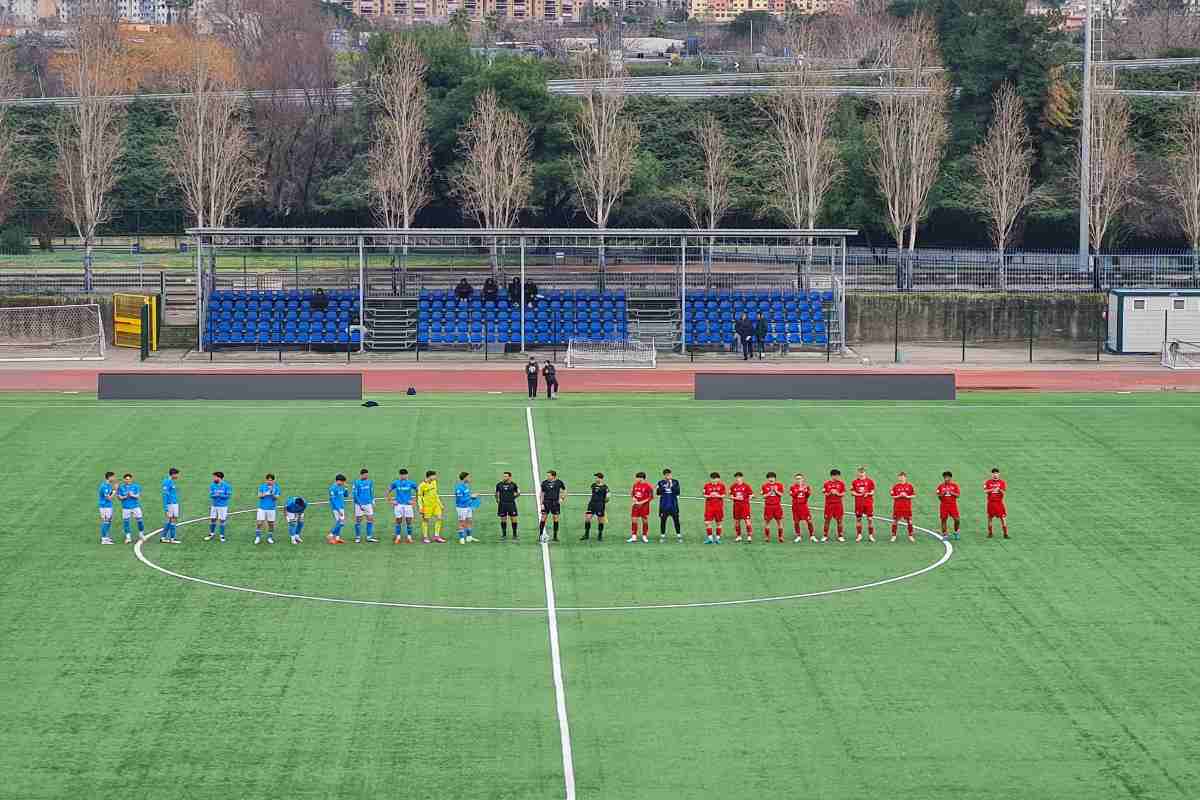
x: 760, y: 334
x: 531, y: 293
x: 744, y: 330
x: 490, y: 290
x: 319, y: 301
x: 464, y: 290
x: 514, y: 291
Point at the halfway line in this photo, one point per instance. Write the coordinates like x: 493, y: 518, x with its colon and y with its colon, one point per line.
x: 560, y: 693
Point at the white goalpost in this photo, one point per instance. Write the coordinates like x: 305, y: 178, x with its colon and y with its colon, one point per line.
x: 1178, y: 354
x: 51, y: 333
x: 629, y: 353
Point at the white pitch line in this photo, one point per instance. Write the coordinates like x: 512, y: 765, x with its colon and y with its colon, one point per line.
x: 560, y: 693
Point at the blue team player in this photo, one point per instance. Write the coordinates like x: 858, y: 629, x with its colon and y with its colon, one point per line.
x: 401, y: 494
x: 338, y: 494
x: 465, y: 503
x: 293, y: 509
x: 130, y: 495
x: 364, y: 506
x: 170, y: 500
x: 219, y: 495
x: 264, y: 515
x: 104, y: 497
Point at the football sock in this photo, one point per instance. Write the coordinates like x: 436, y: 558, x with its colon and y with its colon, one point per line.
x: 357, y: 529
x: 408, y: 527
x: 587, y: 529
x: 437, y: 527
x: 645, y: 526
x: 503, y: 527
x: 370, y: 530
x: 514, y: 529
x: 424, y: 528
x: 555, y: 529
x: 633, y: 527
x: 221, y: 528
x: 541, y: 526
x: 299, y: 527
x: 105, y: 529
x: 398, y: 528
x: 212, y: 527
x: 141, y: 527
x: 600, y: 530
x: 910, y: 528
x: 662, y: 526
x: 125, y: 526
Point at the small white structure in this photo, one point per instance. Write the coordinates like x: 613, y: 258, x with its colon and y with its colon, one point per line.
x: 1141, y: 320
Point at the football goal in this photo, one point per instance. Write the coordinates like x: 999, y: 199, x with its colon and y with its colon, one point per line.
x: 1178, y: 354
x: 619, y: 353
x: 51, y: 333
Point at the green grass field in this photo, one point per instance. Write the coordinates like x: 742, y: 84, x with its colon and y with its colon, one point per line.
x: 1060, y: 664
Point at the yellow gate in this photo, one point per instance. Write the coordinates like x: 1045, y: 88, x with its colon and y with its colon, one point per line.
x: 127, y: 320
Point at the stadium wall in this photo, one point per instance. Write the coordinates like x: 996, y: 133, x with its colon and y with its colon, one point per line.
x: 871, y: 316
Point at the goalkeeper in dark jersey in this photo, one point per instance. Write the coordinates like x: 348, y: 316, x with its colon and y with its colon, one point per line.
x: 596, y: 509
x: 668, y: 505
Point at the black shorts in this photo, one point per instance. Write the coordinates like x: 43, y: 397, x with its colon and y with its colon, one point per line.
x: 507, y: 510
x: 551, y: 507
x: 595, y: 509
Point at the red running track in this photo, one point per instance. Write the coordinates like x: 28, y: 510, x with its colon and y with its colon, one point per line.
x: 663, y: 380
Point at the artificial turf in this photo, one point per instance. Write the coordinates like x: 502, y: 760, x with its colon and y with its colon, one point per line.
x: 1059, y: 664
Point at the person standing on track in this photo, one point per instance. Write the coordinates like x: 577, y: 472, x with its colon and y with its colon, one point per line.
x: 668, y: 505
x: 551, y: 376
x: 531, y: 376
x: 507, y: 493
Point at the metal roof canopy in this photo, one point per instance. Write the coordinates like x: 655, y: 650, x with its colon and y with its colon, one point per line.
x: 584, y: 232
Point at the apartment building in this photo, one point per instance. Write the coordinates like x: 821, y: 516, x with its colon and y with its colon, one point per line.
x: 727, y: 10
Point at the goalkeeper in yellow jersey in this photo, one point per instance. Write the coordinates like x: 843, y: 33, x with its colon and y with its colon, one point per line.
x: 430, y: 506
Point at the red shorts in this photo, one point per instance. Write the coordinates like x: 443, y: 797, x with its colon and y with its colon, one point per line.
x: 834, y: 511
x: 864, y: 506
x: 996, y: 509
x: 773, y: 512
x: 741, y: 511
x: 640, y: 511
x: 902, y: 513
x: 801, y: 513
x: 948, y: 512
x: 714, y: 512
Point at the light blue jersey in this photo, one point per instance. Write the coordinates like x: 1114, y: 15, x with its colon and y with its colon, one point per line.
x: 462, y: 495
x: 170, y: 492
x: 364, y: 492
x: 268, y: 495
x: 337, y: 497
x: 219, y: 494
x: 403, y: 490
x: 130, y: 495
x: 104, y: 495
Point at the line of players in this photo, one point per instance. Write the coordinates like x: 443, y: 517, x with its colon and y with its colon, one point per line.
x: 409, y: 499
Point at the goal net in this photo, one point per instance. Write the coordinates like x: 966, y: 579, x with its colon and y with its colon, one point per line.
x: 1178, y: 354
x: 620, y: 353
x: 51, y: 333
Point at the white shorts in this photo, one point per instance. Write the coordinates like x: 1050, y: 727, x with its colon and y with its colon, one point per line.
x: 339, y: 514
x: 136, y: 513
x: 267, y: 514
x: 364, y: 511
x: 172, y: 510
x: 293, y: 517
x: 105, y: 514
x: 403, y: 511
x: 218, y: 512
x: 465, y: 514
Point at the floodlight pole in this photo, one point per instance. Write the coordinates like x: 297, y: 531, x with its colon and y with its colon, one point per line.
x: 362, y: 271
x: 521, y: 299
x: 683, y: 296
x: 1085, y: 148
x: 201, y: 299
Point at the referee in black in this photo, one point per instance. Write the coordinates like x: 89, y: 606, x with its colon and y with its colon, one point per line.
x: 531, y: 376
x: 596, y: 509
x: 554, y: 491
x: 507, y: 493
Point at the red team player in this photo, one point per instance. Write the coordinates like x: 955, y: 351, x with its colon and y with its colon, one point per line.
x: 863, y: 489
x: 903, y: 493
x: 714, y: 507
x: 800, y: 492
x: 642, y: 492
x: 772, y: 494
x: 948, y: 494
x: 834, y: 490
x: 741, y: 492
x: 995, y: 487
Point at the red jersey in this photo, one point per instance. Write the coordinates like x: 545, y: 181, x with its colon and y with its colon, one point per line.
x: 772, y: 494
x: 642, y: 492
x: 716, y: 488
x: 902, y: 495
x: 948, y: 494
x: 800, y: 495
x: 995, y: 488
x: 741, y: 494
x: 834, y: 489
x: 863, y: 490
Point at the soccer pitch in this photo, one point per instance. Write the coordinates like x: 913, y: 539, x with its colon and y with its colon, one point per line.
x: 1062, y: 663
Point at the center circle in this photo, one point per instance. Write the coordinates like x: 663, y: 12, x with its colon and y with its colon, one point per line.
x: 946, y: 554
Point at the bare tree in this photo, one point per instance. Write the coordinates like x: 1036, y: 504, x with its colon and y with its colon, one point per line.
x: 398, y: 161
x: 910, y: 130
x: 1153, y: 27
x: 10, y: 86
x: 1182, y: 185
x: 1004, y: 162
x: 1113, y: 165
x: 497, y: 174
x: 605, y: 141
x: 706, y: 203
x: 212, y: 155
x: 801, y: 142
x: 88, y: 135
